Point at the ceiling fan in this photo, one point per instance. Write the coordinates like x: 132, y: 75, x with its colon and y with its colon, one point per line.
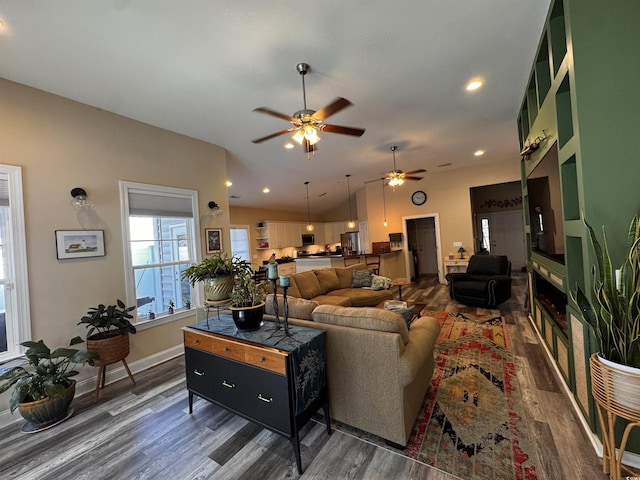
x: 397, y: 177
x: 306, y: 124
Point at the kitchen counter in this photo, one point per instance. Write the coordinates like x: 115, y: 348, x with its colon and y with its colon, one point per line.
x: 314, y: 262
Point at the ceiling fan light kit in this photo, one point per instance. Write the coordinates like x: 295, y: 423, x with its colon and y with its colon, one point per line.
x: 306, y: 123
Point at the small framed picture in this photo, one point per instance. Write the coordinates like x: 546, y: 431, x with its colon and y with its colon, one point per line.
x: 79, y: 243
x: 214, y: 239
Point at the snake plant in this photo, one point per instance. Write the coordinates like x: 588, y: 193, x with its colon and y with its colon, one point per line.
x: 614, y: 309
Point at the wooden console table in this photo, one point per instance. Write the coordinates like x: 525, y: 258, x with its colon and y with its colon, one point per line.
x: 456, y: 266
x: 265, y: 376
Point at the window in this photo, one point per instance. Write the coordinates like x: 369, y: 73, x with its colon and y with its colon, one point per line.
x: 15, y: 325
x: 486, y: 240
x: 160, y: 237
x: 240, y: 242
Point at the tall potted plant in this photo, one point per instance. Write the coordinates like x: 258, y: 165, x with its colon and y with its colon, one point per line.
x: 217, y: 273
x: 614, y: 309
x: 44, y: 390
x: 247, y: 300
x: 108, y: 335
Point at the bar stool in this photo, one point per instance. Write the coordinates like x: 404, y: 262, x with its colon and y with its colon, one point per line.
x: 373, y: 263
x: 351, y: 260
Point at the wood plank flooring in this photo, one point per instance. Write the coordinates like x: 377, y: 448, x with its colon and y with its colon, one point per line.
x: 145, y: 431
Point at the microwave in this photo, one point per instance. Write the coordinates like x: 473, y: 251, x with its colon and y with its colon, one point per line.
x: 308, y: 239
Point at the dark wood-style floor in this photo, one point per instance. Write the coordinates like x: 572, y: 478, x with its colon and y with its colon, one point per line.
x: 145, y: 431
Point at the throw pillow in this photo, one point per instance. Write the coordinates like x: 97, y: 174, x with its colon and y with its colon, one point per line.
x: 379, y: 283
x: 407, y: 314
x: 361, y: 278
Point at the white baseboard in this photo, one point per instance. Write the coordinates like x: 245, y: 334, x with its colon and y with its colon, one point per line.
x: 88, y: 385
x: 629, y: 458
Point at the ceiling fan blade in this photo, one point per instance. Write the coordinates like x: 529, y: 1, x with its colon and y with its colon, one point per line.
x: 273, y: 135
x: 421, y: 170
x: 412, y: 178
x: 334, y: 107
x: 273, y: 113
x: 356, y: 132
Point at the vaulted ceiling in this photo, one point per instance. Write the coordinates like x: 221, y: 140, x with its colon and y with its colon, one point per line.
x: 199, y: 67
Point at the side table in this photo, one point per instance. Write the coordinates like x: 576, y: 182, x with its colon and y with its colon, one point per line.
x: 399, y: 282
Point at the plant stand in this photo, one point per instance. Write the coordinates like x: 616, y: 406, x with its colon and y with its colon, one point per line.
x: 611, y: 389
x: 111, y: 350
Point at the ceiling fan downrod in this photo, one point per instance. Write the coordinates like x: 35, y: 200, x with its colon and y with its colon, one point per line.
x: 302, y: 70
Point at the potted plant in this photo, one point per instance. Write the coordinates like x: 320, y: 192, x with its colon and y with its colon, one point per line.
x: 614, y: 309
x: 247, y: 300
x: 43, y: 393
x: 217, y: 273
x: 108, y: 335
x: 171, y: 306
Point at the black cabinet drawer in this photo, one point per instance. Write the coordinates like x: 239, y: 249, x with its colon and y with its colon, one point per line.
x: 254, y: 392
x: 200, y: 372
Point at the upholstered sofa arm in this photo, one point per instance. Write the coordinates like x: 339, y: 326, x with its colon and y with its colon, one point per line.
x: 457, y: 276
x: 423, y: 334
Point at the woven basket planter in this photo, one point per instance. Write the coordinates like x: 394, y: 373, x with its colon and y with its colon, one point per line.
x: 218, y: 288
x: 110, y: 349
x: 48, y: 411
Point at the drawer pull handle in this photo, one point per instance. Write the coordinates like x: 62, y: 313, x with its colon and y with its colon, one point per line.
x: 200, y: 374
x: 268, y: 400
x: 228, y: 385
x: 196, y: 341
x: 261, y: 359
x: 225, y: 349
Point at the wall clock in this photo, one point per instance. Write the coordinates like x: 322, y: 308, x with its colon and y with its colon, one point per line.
x: 418, y: 197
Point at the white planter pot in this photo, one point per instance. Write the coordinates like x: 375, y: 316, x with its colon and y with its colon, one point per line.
x: 624, y: 382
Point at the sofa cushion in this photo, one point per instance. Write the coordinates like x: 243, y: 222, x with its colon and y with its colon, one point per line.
x: 362, y: 297
x: 308, y: 284
x: 298, y: 307
x: 328, y: 280
x: 332, y: 300
x: 345, y: 277
x: 361, y: 278
x: 364, y: 318
x: 488, y: 265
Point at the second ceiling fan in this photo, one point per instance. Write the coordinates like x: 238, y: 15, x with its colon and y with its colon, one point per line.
x: 306, y: 123
x: 397, y: 177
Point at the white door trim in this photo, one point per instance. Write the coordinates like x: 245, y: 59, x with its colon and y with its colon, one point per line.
x: 407, y: 256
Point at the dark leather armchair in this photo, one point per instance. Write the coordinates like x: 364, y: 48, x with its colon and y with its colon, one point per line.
x: 487, y: 282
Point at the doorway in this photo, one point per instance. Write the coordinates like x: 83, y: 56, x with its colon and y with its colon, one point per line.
x: 502, y: 233
x: 422, y: 244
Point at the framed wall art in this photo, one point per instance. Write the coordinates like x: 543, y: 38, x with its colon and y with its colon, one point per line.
x: 214, y: 239
x: 79, y: 243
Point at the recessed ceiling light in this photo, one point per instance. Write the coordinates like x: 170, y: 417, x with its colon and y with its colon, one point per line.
x: 1, y: 24
x: 478, y: 153
x: 266, y: 190
x: 228, y: 183
x: 288, y: 145
x: 473, y: 85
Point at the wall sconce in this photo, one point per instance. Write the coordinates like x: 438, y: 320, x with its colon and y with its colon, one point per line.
x: 80, y: 198
x: 214, y: 209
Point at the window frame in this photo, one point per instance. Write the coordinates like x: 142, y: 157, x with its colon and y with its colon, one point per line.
x: 129, y: 271
x: 21, y: 312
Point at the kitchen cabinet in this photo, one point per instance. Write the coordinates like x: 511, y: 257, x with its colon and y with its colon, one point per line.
x: 266, y: 376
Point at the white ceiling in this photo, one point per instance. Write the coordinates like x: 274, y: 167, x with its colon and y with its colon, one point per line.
x: 199, y: 67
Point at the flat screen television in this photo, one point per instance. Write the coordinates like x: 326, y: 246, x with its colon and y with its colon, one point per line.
x: 545, y: 207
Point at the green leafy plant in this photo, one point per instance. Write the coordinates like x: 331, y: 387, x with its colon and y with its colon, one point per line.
x: 218, y: 264
x: 247, y: 292
x: 614, y: 310
x: 109, y: 320
x: 49, y: 373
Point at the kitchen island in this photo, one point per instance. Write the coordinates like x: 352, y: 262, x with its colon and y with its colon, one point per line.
x: 315, y: 262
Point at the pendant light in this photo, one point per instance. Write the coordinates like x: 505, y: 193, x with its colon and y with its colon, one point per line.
x: 309, y: 225
x: 384, y: 203
x: 351, y: 225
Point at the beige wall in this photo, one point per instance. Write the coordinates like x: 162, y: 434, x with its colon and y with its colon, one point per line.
x: 448, y: 196
x: 61, y: 144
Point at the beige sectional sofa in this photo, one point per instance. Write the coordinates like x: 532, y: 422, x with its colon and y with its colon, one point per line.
x: 378, y: 370
x: 333, y: 286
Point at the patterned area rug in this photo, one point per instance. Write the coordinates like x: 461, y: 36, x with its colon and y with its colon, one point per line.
x: 471, y: 422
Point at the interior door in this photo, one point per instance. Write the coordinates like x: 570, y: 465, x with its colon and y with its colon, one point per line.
x: 426, y: 243
x: 505, y: 235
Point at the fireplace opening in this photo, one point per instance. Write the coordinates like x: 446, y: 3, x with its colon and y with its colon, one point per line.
x: 553, y: 301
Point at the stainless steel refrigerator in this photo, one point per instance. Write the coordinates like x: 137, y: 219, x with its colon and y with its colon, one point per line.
x: 350, y: 243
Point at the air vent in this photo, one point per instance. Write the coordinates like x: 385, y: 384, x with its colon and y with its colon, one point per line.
x: 445, y: 165
x: 235, y: 197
